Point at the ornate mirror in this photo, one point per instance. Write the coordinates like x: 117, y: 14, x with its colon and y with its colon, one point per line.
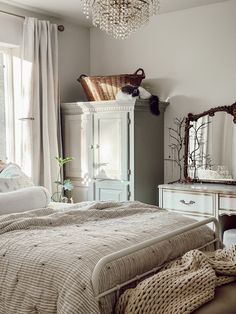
x: 210, y: 146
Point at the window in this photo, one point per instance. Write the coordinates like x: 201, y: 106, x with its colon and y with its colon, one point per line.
x: 14, y: 139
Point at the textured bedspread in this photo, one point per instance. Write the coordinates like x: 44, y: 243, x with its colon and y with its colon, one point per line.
x: 47, y: 255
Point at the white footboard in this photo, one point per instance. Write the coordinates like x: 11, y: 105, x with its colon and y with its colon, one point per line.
x: 122, y: 253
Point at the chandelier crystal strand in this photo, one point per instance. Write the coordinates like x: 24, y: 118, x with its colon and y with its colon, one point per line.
x: 120, y: 18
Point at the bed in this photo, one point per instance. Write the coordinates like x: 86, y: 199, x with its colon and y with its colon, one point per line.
x: 71, y: 259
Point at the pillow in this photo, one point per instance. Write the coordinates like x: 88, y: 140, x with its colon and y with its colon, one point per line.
x: 12, y: 178
x: 13, y: 184
x: 12, y: 170
x: 23, y: 200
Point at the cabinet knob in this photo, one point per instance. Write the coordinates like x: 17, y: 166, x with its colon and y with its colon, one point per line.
x: 97, y: 146
x: 91, y: 146
x: 187, y: 203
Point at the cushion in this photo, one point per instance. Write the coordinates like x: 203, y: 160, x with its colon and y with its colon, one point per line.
x: 13, y: 184
x: 12, y: 178
x: 12, y: 170
x: 24, y: 199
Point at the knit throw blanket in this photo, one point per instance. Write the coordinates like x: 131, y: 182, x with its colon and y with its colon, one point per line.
x: 182, y: 285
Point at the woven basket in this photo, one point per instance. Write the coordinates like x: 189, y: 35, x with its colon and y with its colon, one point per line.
x: 106, y: 87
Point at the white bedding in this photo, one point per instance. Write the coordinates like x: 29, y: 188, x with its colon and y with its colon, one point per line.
x: 47, y: 255
x: 12, y: 178
x: 24, y: 199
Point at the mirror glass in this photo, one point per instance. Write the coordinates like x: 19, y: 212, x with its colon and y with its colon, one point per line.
x: 212, y: 148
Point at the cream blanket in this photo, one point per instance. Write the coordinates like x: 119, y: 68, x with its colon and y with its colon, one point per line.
x: 47, y: 255
x: 182, y: 286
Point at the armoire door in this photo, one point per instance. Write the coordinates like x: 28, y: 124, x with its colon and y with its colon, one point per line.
x: 108, y: 190
x: 78, y: 142
x: 82, y: 191
x: 111, y: 146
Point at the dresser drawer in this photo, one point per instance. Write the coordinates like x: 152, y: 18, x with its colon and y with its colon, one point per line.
x: 200, y: 203
x: 227, y: 202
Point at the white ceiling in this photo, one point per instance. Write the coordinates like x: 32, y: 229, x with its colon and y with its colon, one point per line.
x: 73, y: 9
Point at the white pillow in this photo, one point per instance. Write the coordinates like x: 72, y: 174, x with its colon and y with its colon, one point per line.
x: 12, y: 178
x: 13, y: 184
x: 24, y: 199
x: 12, y: 170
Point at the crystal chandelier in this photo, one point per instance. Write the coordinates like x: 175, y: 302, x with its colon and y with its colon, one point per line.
x: 120, y: 18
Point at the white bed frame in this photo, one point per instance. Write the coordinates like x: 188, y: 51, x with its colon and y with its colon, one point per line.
x: 122, y: 253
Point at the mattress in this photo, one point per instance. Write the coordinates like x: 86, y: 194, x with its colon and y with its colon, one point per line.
x: 47, y: 255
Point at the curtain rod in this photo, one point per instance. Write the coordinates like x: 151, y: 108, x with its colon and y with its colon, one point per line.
x: 59, y: 27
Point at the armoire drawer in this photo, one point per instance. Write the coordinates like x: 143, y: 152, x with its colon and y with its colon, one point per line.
x: 200, y: 203
x: 227, y: 202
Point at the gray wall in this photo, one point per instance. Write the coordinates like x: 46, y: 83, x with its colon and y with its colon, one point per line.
x: 188, y: 56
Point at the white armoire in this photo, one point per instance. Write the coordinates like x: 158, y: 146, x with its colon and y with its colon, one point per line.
x: 118, y: 150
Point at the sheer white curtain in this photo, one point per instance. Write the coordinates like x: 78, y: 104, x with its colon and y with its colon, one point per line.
x: 12, y: 102
x: 39, y: 114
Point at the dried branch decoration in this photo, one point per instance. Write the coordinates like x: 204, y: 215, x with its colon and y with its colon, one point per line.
x: 177, y: 136
x: 197, y: 158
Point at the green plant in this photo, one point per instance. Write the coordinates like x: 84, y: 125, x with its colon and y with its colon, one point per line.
x: 62, y: 185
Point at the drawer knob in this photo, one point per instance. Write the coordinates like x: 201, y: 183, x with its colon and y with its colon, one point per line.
x: 187, y: 203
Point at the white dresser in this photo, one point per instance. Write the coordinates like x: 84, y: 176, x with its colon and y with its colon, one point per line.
x: 199, y: 200
x: 118, y: 150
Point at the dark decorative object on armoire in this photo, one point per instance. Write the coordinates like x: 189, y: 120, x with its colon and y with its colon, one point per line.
x: 128, y: 92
